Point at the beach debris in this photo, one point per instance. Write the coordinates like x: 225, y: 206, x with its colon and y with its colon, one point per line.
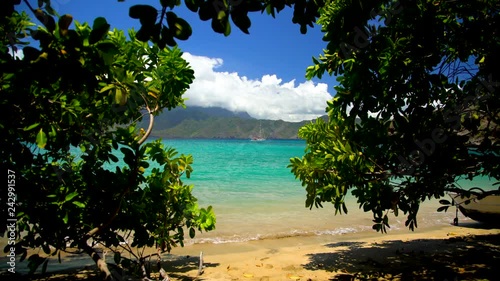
x: 164, y: 275
x: 259, y: 265
x: 201, y: 266
x: 248, y: 275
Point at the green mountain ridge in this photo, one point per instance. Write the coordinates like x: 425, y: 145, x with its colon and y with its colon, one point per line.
x: 208, y: 123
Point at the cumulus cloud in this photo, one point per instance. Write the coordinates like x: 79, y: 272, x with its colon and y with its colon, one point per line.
x: 266, y: 98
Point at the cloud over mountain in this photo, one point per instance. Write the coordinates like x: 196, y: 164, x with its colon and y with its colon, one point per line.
x: 266, y: 98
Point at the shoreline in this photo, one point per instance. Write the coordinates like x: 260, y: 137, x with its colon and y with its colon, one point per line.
x: 467, y: 252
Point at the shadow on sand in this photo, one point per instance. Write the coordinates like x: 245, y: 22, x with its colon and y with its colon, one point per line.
x: 176, y: 266
x: 180, y: 265
x: 456, y: 258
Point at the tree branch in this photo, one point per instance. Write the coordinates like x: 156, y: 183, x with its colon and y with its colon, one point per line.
x: 150, y: 126
x: 101, y: 264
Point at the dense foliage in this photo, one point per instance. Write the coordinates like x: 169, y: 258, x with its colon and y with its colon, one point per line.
x: 84, y: 175
x: 416, y: 109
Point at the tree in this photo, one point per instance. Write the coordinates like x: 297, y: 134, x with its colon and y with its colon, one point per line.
x: 416, y: 106
x: 416, y: 109
x: 81, y: 174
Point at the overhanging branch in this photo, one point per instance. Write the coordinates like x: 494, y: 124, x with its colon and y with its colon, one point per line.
x: 150, y: 126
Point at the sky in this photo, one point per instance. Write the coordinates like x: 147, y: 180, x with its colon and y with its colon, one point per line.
x: 262, y: 73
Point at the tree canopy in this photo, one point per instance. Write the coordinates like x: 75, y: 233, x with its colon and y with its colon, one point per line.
x: 83, y: 175
x: 416, y: 108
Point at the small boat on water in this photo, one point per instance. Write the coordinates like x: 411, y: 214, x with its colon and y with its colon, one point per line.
x: 484, y: 209
x: 260, y: 137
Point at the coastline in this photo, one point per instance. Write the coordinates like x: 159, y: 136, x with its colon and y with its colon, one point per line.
x: 467, y: 252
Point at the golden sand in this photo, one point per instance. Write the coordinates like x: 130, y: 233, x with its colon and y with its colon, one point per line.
x: 446, y: 253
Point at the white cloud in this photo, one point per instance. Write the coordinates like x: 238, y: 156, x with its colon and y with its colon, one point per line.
x: 17, y: 54
x: 266, y: 98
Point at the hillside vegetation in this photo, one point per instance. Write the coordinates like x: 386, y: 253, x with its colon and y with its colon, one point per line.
x: 197, y: 122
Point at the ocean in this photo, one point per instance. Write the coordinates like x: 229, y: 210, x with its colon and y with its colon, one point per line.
x: 255, y: 196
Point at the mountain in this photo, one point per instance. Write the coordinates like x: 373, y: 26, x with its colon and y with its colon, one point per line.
x: 214, y: 122
x: 174, y: 117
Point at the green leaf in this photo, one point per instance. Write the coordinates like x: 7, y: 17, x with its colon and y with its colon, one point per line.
x: 227, y: 31
x: 31, y: 127
x: 192, y: 233
x: 70, y: 196
x: 53, y: 132
x: 242, y: 21
x: 113, y: 158
x: 444, y: 202
x: 79, y: 204
x: 144, y: 33
x: 192, y: 5
x: 41, y: 139
x: 107, y: 88
x: 182, y: 29
x: 142, y: 11
x: 99, y: 31
x: 31, y: 53
x: 442, y: 208
x: 64, y: 23
x: 120, y: 97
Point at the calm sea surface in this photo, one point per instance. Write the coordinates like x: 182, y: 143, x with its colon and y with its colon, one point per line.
x: 255, y: 196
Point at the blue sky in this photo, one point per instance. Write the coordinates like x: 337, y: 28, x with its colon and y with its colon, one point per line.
x: 271, y: 61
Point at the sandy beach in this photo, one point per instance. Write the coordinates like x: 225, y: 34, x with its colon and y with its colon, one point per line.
x: 467, y: 252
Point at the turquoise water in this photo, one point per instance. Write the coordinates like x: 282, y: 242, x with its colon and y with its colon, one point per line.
x: 235, y: 172
x: 255, y: 196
